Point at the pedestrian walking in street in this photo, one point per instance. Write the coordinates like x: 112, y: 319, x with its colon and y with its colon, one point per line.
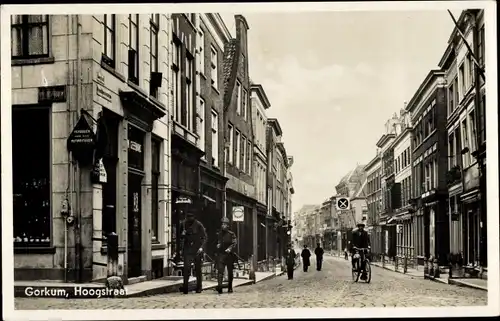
x: 193, y: 240
x: 306, y: 254
x: 226, y: 243
x: 347, y: 250
x: 319, y: 256
x: 290, y: 261
x: 360, y: 240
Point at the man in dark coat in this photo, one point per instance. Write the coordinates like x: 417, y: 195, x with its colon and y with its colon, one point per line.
x: 193, y: 240
x: 227, y: 241
x: 290, y: 261
x: 306, y: 254
x: 360, y: 240
x: 319, y: 256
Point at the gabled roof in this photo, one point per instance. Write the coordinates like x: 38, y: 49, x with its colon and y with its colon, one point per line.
x: 227, y: 66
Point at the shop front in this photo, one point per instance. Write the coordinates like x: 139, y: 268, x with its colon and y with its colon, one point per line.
x: 243, y: 229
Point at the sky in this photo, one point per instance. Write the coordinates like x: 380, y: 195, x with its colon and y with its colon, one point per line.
x: 335, y: 78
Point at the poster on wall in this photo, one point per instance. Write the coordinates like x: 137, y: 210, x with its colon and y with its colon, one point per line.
x: 432, y: 241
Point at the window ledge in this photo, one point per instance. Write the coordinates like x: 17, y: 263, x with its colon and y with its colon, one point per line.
x: 137, y: 88
x: 35, y: 250
x: 104, y: 249
x: 32, y: 61
x: 113, y: 71
x: 158, y: 246
x: 216, y: 90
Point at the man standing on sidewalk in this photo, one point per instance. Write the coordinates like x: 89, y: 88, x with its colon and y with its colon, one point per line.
x: 193, y: 240
x: 225, y: 256
x: 306, y: 254
x: 319, y: 256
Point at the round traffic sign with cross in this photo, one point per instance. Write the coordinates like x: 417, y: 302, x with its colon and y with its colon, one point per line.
x: 343, y: 203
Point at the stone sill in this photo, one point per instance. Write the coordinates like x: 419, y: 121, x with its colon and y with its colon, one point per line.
x: 32, y: 61
x: 35, y: 250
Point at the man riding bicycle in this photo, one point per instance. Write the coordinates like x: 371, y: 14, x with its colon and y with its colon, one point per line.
x: 360, y: 240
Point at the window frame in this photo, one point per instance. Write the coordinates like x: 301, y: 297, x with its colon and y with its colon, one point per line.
x: 135, y: 78
x: 109, y: 60
x: 154, y: 30
x: 237, y: 140
x: 230, y: 155
x: 215, y: 137
x: 202, y: 51
x: 201, y: 126
x: 190, y: 90
x: 25, y: 26
x: 244, y: 97
x: 176, y: 78
x: 238, y: 97
x: 214, y: 63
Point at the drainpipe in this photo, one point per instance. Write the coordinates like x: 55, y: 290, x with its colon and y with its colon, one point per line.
x: 78, y: 254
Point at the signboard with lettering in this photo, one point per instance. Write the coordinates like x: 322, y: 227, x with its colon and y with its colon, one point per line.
x: 135, y: 150
x: 81, y: 141
x: 238, y: 214
x: 52, y: 94
x: 183, y: 200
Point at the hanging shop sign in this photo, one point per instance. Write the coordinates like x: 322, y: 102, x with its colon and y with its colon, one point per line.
x: 52, y: 94
x: 81, y: 141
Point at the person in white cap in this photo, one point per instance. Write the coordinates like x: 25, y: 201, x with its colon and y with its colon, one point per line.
x: 225, y: 246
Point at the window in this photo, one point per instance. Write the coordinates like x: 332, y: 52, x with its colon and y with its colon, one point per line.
x: 200, y: 128
x: 482, y: 129
x: 465, y: 143
x: 457, y: 92
x: 434, y: 173
x: 31, y: 180
x: 249, y: 158
x: 473, y: 132
x: 202, y: 52
x: 451, y: 151
x: 244, y: 104
x: 451, y: 101
x: 481, y: 45
x: 214, y: 63
x: 109, y: 39
x: 188, y: 121
x: 155, y: 184
x: 133, y: 38
x: 243, y: 153
x: 237, y: 150
x: 215, y: 138
x: 238, y: 95
x: 470, y: 73
x: 462, y: 80
x: 176, y: 79
x: 30, y: 36
x: 231, y: 144
x: 153, y: 57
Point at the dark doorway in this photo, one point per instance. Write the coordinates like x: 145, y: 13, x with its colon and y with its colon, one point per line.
x: 134, y: 224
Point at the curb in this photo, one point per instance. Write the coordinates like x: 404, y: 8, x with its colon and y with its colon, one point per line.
x: 467, y: 285
x: 385, y: 268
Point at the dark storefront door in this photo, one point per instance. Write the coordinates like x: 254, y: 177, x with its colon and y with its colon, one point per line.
x: 134, y: 225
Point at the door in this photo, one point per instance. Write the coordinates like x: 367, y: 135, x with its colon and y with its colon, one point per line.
x: 134, y: 225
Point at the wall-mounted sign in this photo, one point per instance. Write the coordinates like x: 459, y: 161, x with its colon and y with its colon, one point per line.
x: 100, y: 78
x: 81, y: 141
x: 238, y: 214
x: 99, y: 174
x: 183, y: 200
x: 52, y: 94
x: 104, y: 93
x: 134, y: 146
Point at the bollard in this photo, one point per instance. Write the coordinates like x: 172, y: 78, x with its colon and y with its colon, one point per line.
x: 396, y: 263
x: 112, y: 245
x: 431, y: 266
x: 426, y: 268
x: 436, y: 268
x: 405, y: 264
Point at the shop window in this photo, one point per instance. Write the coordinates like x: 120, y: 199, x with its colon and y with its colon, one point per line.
x: 31, y: 179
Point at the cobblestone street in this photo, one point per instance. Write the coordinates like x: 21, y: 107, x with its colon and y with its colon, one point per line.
x: 331, y: 287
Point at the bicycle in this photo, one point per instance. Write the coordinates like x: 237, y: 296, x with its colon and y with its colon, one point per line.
x: 358, y: 257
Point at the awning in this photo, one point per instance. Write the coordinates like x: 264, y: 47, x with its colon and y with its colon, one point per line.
x: 471, y: 196
x: 208, y: 198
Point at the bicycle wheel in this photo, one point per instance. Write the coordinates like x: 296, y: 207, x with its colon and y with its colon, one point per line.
x: 356, y: 272
x: 368, y: 270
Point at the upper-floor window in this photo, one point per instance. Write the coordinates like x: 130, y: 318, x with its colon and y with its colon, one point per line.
x: 244, y: 97
x: 237, y: 141
x: 215, y: 138
x: 201, y: 51
x: 470, y: 71
x: 230, y: 137
x: 238, y: 95
x: 451, y: 151
x: 465, y: 143
x: 482, y: 118
x: 461, y: 75
x: 451, y: 101
x: 189, y: 93
x: 481, y: 45
x: 176, y: 78
x: 249, y: 157
x: 109, y: 48
x: 243, y: 153
x: 30, y: 36
x: 214, y: 65
x: 200, y: 130
x: 153, y: 56
x: 133, y: 60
